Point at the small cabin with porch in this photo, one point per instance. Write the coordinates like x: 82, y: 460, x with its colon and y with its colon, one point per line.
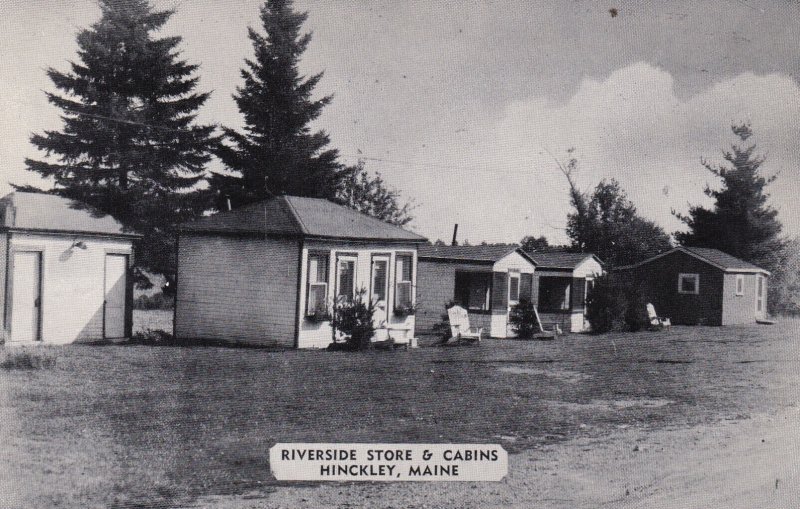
x: 64, y: 271
x: 562, y: 282
x: 702, y: 286
x: 268, y: 273
x: 485, y: 280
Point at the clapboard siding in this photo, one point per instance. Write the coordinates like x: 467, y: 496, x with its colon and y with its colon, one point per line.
x: 3, y: 289
x: 739, y: 309
x: 436, y: 287
x: 73, y: 284
x: 237, y: 289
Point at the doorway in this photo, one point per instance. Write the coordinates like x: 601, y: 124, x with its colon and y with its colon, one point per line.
x: 114, y: 305
x: 26, y: 296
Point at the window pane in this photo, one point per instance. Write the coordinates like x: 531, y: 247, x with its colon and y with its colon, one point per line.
x: 346, y: 279
x: 379, y: 269
x: 316, y: 298
x: 403, y: 295
x: 513, y: 288
x: 404, y: 266
x: 688, y: 284
x: 479, y: 285
x: 554, y: 293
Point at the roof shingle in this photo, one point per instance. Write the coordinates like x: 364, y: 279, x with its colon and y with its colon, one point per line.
x: 301, y: 216
x: 468, y: 253
x: 560, y: 259
x: 51, y: 213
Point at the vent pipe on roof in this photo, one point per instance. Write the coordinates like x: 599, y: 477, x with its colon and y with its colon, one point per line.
x: 228, y: 202
x: 455, y: 235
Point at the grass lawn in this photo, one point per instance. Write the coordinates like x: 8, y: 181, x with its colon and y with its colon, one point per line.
x: 154, y: 426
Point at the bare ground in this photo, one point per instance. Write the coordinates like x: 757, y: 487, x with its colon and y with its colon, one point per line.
x: 696, y: 417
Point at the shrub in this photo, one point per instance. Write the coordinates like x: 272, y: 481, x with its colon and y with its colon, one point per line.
x: 616, y: 304
x: 523, y: 319
x: 353, y: 318
x: 24, y: 359
x: 155, y: 301
x: 153, y: 337
x: 442, y: 328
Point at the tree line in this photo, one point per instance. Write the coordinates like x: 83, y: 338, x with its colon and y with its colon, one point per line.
x: 131, y: 146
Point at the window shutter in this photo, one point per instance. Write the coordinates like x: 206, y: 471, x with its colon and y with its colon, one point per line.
x: 535, y: 290
x: 578, y: 293
x: 525, y: 283
x: 500, y: 291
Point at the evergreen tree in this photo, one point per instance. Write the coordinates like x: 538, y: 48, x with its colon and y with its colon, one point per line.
x: 740, y: 222
x: 277, y: 153
x: 372, y: 196
x: 129, y: 146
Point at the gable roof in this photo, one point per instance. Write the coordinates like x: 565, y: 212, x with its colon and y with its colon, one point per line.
x: 297, y: 216
x: 482, y: 254
x: 48, y: 213
x: 714, y: 257
x: 563, y: 260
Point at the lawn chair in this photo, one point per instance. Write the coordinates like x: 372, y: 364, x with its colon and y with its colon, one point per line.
x: 459, y: 325
x: 657, y: 322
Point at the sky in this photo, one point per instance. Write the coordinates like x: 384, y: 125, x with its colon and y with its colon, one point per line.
x: 466, y: 106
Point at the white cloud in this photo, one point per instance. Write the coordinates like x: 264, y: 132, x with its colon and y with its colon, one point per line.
x: 630, y: 126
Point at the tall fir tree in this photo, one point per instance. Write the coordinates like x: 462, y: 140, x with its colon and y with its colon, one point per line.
x: 129, y: 145
x: 740, y: 223
x: 277, y: 153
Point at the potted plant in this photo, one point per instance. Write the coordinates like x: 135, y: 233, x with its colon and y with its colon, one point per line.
x: 319, y: 314
x: 404, y: 311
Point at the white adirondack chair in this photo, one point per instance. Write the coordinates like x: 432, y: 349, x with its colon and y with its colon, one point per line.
x: 459, y: 325
x: 655, y: 320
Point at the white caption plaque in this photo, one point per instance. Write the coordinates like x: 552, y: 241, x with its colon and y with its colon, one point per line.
x: 388, y: 462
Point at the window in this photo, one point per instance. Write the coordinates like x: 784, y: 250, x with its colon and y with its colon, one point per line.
x: 317, y: 295
x: 760, y: 294
x: 739, y: 284
x: 473, y: 290
x: 554, y: 294
x: 403, y: 277
x: 380, y: 276
x: 513, y: 287
x: 689, y: 283
x: 346, y: 278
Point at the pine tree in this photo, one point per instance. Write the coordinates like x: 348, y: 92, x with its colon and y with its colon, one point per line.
x: 741, y: 223
x: 129, y: 145
x: 277, y: 153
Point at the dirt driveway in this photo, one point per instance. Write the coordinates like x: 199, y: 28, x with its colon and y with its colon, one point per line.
x: 737, y: 459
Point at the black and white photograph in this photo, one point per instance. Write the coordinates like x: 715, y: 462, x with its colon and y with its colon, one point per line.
x: 263, y: 254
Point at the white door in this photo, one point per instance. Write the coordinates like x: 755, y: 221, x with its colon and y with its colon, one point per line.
x: 760, y: 297
x: 379, y: 292
x: 114, y: 312
x: 26, y: 296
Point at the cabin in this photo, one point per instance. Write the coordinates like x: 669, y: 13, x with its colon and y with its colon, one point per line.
x: 268, y: 274
x: 64, y: 270
x: 563, y: 281
x: 701, y: 286
x: 485, y: 280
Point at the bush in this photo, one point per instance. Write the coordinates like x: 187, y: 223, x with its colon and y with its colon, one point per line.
x: 153, y: 337
x: 442, y: 328
x: 155, y: 301
x: 353, y: 318
x: 523, y: 319
x: 616, y: 304
x: 24, y: 359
